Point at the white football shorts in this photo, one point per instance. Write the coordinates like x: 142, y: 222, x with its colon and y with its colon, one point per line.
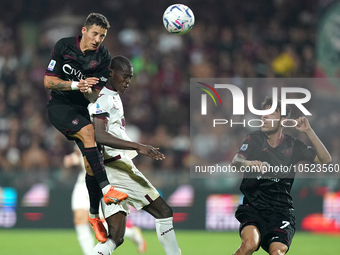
x: 124, y: 175
x: 80, y: 195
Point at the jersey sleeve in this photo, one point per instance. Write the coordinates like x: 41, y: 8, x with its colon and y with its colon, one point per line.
x: 103, y: 71
x: 100, y: 108
x: 303, y: 152
x: 247, y: 147
x: 55, y: 64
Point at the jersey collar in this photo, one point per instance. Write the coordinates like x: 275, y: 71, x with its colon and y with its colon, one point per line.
x: 115, y: 92
x: 78, y: 41
x: 281, y: 139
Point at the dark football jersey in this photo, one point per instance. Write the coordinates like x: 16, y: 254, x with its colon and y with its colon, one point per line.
x: 272, y: 189
x: 69, y: 63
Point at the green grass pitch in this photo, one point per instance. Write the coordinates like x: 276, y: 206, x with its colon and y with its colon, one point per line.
x: 64, y: 242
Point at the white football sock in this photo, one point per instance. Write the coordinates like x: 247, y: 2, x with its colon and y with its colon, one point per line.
x: 85, y: 238
x: 93, y: 216
x: 129, y: 233
x: 166, y: 236
x: 134, y: 234
x: 104, y: 248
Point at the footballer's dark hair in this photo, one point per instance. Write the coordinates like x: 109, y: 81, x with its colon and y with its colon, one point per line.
x: 96, y: 19
x: 268, y: 101
x: 119, y: 63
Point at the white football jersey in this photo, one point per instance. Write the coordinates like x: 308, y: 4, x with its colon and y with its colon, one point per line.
x: 110, y: 105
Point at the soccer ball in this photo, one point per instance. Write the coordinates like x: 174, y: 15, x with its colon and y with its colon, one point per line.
x: 178, y: 19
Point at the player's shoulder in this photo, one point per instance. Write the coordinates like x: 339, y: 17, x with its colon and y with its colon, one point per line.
x: 294, y: 142
x: 104, y: 95
x: 66, y: 41
x: 103, y: 51
x: 108, y: 95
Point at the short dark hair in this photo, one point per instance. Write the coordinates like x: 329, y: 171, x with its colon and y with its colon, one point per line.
x: 119, y: 63
x: 97, y: 19
x: 268, y: 101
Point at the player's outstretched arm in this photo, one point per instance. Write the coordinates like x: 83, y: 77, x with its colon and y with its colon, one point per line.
x: 91, y: 94
x: 239, y: 160
x: 55, y: 83
x: 105, y: 138
x: 322, y: 154
x: 150, y: 151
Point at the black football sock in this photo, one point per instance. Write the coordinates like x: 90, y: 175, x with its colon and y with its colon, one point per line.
x: 96, y: 161
x: 95, y: 193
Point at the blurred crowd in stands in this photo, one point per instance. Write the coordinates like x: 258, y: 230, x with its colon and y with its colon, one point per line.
x: 235, y: 38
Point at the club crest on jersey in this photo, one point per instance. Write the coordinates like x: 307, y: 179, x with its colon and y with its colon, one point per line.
x: 244, y: 147
x: 51, y: 65
x: 75, y: 121
x: 98, y: 109
x: 93, y: 64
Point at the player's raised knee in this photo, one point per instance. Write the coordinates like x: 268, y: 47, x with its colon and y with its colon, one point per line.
x: 277, y: 249
x: 167, y: 211
x: 249, y: 245
x: 277, y: 252
x: 86, y: 133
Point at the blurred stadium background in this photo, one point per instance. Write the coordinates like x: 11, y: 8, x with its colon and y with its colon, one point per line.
x: 234, y: 38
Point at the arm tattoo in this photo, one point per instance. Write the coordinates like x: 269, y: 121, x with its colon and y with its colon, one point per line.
x: 59, y: 86
x: 238, y: 160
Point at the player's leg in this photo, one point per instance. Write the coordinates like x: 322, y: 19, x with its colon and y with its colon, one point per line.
x: 95, y: 164
x: 80, y: 205
x: 75, y: 124
x: 159, y: 209
x: 93, y: 156
x: 250, y: 240
x: 116, y: 224
x: 83, y: 230
x: 277, y: 248
x: 94, y: 196
x: 93, y: 216
x: 134, y: 233
x: 278, y: 238
x: 164, y: 225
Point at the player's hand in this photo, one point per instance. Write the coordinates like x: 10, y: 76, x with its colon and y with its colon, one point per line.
x: 85, y: 85
x: 302, y: 125
x: 150, y: 151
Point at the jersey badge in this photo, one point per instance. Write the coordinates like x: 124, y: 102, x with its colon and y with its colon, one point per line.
x: 98, y: 109
x: 244, y: 147
x: 75, y: 121
x: 51, y: 65
x: 93, y: 64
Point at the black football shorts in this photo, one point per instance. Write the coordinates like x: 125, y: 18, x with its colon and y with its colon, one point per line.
x: 66, y: 117
x: 273, y: 225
